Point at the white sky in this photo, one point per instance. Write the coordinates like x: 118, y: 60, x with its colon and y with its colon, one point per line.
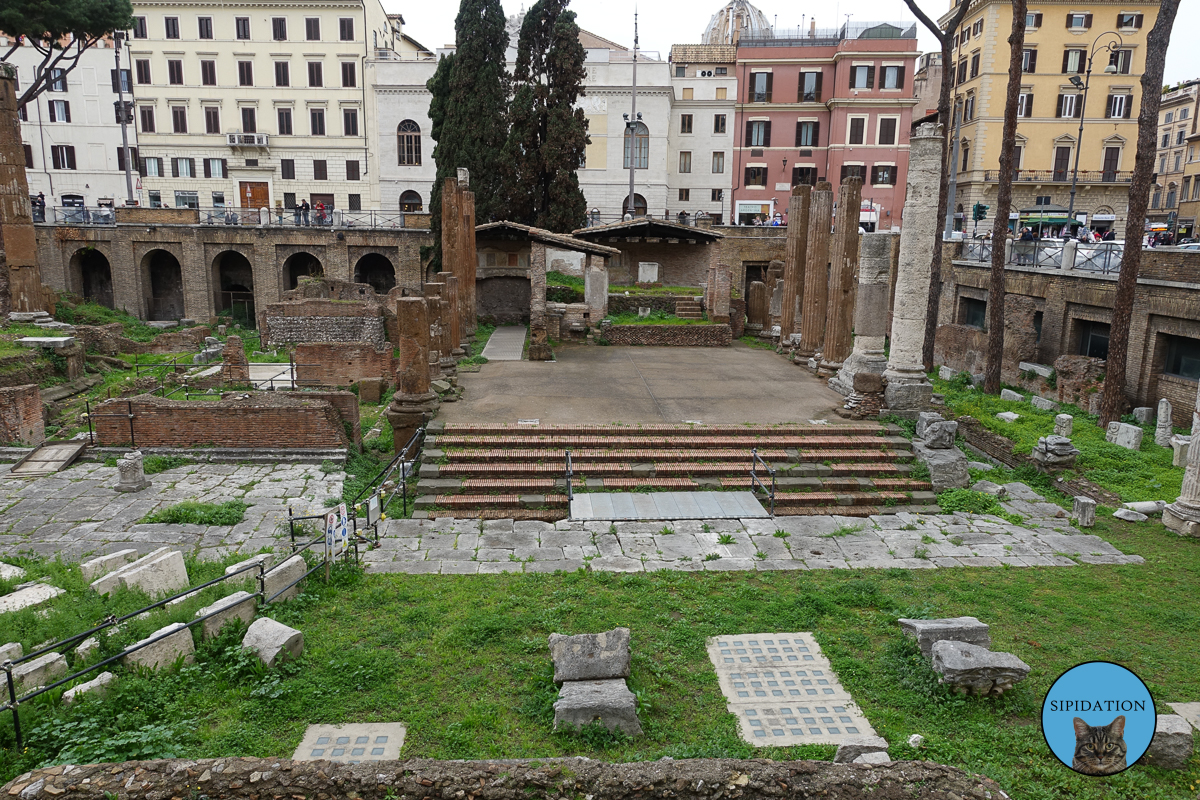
x: 663, y: 23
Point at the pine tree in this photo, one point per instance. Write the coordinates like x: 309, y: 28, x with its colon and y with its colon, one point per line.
x: 469, y: 109
x: 549, y: 134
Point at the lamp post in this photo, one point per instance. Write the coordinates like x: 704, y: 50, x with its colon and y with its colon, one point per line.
x: 1112, y: 47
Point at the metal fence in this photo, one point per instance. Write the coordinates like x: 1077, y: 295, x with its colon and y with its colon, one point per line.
x: 76, y: 215
x: 980, y: 251
x: 1037, y: 253
x: 1102, y: 257
x: 381, y: 490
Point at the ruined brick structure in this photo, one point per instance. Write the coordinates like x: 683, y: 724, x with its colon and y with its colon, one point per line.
x: 235, y: 367
x: 297, y: 321
x: 20, y: 278
x: 669, y: 335
x: 342, y: 363
x: 111, y: 339
x: 21, y: 419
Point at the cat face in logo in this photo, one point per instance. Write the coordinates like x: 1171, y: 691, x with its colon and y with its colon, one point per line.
x: 1099, y: 749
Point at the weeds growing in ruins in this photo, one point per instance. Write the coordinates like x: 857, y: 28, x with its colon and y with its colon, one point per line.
x: 726, y: 538
x: 192, y: 513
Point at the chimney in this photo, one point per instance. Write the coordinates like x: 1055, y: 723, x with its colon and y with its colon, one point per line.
x: 812, y: 28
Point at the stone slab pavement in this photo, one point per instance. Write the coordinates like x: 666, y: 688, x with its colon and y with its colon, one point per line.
x: 903, y: 540
x: 507, y: 343
x: 77, y: 513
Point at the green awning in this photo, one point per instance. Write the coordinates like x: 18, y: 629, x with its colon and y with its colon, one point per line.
x: 1037, y: 220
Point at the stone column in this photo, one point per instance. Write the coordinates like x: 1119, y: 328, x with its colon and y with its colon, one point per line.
x: 414, y: 404
x: 539, y: 343
x: 451, y: 222
x: 466, y: 256
x: 1162, y: 426
x: 437, y: 325
x: 870, y: 312
x: 793, y: 265
x: 758, y: 308
x: 453, y: 317
x: 20, y: 275
x: 1183, y: 516
x: 908, y: 387
x: 816, y: 274
x: 843, y: 264
x: 720, y: 306
x: 595, y: 287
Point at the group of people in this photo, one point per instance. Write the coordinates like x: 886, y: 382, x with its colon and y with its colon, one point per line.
x: 777, y: 221
x: 321, y: 215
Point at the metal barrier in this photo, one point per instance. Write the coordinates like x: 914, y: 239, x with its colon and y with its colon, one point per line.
x: 375, y: 488
x: 14, y: 703
x: 1101, y: 257
x: 1037, y: 253
x: 756, y: 483
x: 980, y: 251
x: 79, y: 215
x: 570, y: 479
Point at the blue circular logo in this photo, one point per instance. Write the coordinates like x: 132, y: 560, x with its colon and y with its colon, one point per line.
x: 1098, y: 718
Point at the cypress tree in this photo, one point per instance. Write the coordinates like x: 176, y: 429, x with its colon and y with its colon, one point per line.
x: 549, y: 134
x: 469, y: 110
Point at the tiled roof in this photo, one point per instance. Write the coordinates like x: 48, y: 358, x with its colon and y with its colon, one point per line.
x: 704, y: 53
x: 644, y: 226
x: 562, y: 240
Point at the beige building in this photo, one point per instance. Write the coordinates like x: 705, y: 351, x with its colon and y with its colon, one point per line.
x: 1169, y: 192
x: 1060, y: 39
x: 1189, y: 194
x: 257, y: 106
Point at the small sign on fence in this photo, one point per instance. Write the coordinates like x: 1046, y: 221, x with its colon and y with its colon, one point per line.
x: 374, y: 510
x: 337, y: 531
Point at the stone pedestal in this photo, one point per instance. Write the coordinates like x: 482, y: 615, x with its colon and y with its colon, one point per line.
x: 1063, y: 425
x: 870, y: 313
x: 843, y: 266
x: 1162, y: 428
x: 908, y: 387
x: 1083, y: 511
x: 595, y: 288
x: 414, y: 404
x: 722, y: 279
x: 793, y: 265
x: 235, y: 367
x: 132, y: 473
x: 1183, y: 516
x: 1054, y: 454
x: 539, y: 339
x: 816, y: 276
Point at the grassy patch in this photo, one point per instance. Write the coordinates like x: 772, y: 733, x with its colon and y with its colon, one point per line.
x: 156, y: 464
x: 654, y: 318
x: 657, y: 291
x: 757, y: 343
x: 96, y: 314
x: 970, y: 502
x: 191, y: 513
x: 561, y: 279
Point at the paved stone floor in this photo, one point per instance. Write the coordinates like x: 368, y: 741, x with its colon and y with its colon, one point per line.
x: 908, y: 541
x: 77, y: 512
x: 507, y: 343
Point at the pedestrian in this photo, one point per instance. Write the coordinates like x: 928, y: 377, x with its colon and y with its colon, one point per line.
x: 320, y: 207
x: 296, y: 214
x: 304, y: 209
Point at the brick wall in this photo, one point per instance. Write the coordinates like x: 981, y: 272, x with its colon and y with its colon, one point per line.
x: 342, y: 363
x: 276, y: 420
x: 21, y: 416
x: 964, y: 348
x: 679, y: 264
x: 744, y: 245
x: 621, y: 303
x: 235, y: 367
x: 110, y: 339
x: 669, y: 335
x: 157, y: 216
x: 1170, y: 265
x: 22, y: 368
x: 1182, y: 394
x: 737, y: 317
x: 322, y: 321
x: 344, y: 403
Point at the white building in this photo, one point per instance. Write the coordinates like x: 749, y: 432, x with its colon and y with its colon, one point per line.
x: 71, y: 135
x: 401, y: 142
x: 700, y: 166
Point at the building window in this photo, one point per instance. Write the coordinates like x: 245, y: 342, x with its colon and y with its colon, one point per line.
x: 1112, y: 160
x: 249, y: 120
x: 721, y: 71
x: 204, y: 26
x: 977, y: 28
x: 804, y: 176
x: 179, y: 119
x: 685, y: 162
x: 975, y: 65
x: 756, y: 176
x: 60, y: 111
x: 151, y: 167
x: 887, y: 130
x: 245, y: 73
x: 285, y: 121
x: 62, y: 156
x: 1120, y: 106
x: 349, y: 122
x: 806, y: 134
x: 187, y: 199
x: 279, y: 29
x: 689, y: 94
x: 1029, y: 61
x: 893, y: 77
x: 883, y: 175
x: 717, y: 195
x: 171, y: 27
x: 409, y: 143
x: 212, y: 119
x: 858, y: 126
x: 355, y: 200
x: 28, y: 148
x: 1129, y: 21
x: 287, y: 169
x: 175, y: 72
x: 862, y: 77
x: 282, y: 75
x: 142, y: 68
x: 1093, y: 339
x: 155, y: 199
x: 1156, y: 199
x: 349, y: 77
x: 1025, y: 105
x: 718, y: 163
x: 316, y: 121
x: 1180, y: 136
x: 1033, y: 20
x: 972, y: 313
x: 1123, y: 61
x: 312, y: 29
x: 760, y: 87
x: 1178, y: 162
x: 352, y: 170
x: 1166, y: 140
x: 718, y: 123
x: 1187, y: 189
x: 758, y: 134
x: 146, y: 113
x: 962, y: 72
x: 685, y: 123
x: 183, y: 168
x: 218, y: 199
x: 346, y: 29
x: 1074, y: 62
x: 1068, y: 106
x: 215, y: 168
x: 810, y: 87
x: 208, y: 73
x: 852, y: 171
x: 1183, y: 357
x: 637, y: 146
x: 1079, y: 21
x: 315, y: 76
x: 1171, y: 196
x: 242, y: 27
x: 680, y: 71
x: 133, y: 155
x: 969, y: 108
x: 722, y: 93
x: 320, y: 170
x: 966, y: 156
x: 139, y: 28
x: 410, y: 201
x: 685, y: 195
x: 123, y: 75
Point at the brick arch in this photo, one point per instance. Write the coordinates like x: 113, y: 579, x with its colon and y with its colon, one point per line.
x: 233, y: 285
x: 162, y: 282
x: 89, y: 272
x: 300, y: 263
x: 376, y: 269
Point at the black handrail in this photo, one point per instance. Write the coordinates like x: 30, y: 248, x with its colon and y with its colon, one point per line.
x: 570, y: 481
x: 756, y: 459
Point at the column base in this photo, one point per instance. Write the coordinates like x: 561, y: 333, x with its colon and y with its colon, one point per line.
x: 1183, y: 519
x: 407, y: 413
x: 873, y: 362
x: 908, y: 388
x: 827, y: 369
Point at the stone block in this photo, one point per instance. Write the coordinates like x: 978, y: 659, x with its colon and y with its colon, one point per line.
x: 608, y: 702
x: 239, y: 605
x: 945, y: 373
x: 97, y: 686
x: 287, y: 572
x: 176, y: 644
x: 873, y: 758
x: 42, y: 671
x: 1162, y: 429
x: 940, y: 435
x: 1150, y: 508
x: 1041, y: 370
x: 868, y: 382
x: 987, y: 487
x: 1129, y: 515
x: 975, y: 670
x: 904, y: 396
x: 851, y: 749
x: 947, y: 468
x: 1064, y: 425
x: 166, y: 574
x: 1008, y: 416
x: 590, y: 656
x: 1144, y: 415
x: 1180, y: 445
x: 106, y: 583
x: 86, y: 649
x: 103, y: 565
x: 252, y: 574
x: 647, y: 272
x: 28, y: 597
x: 11, y: 652
x: 1083, y: 511
x: 10, y: 573
x: 131, y: 473
x: 1009, y: 394
x: 928, y: 632
x: 1122, y: 434
x: 924, y: 420
x: 273, y: 642
x: 1171, y: 747
x: 1054, y: 454
x: 1043, y: 403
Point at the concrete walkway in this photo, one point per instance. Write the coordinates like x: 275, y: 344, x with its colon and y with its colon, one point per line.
x: 506, y: 344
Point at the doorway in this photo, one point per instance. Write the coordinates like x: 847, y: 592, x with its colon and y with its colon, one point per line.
x: 254, y: 194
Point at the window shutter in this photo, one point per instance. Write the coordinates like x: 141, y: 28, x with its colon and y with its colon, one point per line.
x: 54, y: 158
x: 207, y: 169
x: 845, y: 169
x: 799, y: 125
x: 749, y: 135
x: 1137, y: 20
x: 818, y: 86
x: 1037, y: 20
x: 70, y: 156
x: 1108, y: 110
x: 747, y: 180
x: 1069, y: 15
x: 870, y: 77
x: 816, y: 134
x: 67, y: 109
x: 900, y: 75
x: 767, y: 133
x: 1078, y: 108
x: 1087, y: 20
x: 52, y: 117
x: 174, y: 167
x: 224, y: 167
x: 770, y: 81
x: 28, y: 148
x: 116, y: 80
x: 1128, y: 106
x: 192, y: 167
x: 1066, y: 61
x: 1033, y: 60
x: 121, y: 158
x: 142, y: 167
x: 1058, y: 112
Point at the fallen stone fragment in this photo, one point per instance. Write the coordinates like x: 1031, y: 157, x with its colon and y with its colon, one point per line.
x: 273, y: 642
x: 851, y: 749
x: 608, y: 702
x: 928, y: 632
x: 590, y: 656
x: 975, y: 670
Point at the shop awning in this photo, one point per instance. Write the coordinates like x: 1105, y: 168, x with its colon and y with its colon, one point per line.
x: 1040, y: 220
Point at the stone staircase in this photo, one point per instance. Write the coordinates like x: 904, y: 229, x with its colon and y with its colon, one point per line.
x: 687, y: 308
x: 519, y: 471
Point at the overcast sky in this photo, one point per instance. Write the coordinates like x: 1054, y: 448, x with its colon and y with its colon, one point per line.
x: 663, y: 23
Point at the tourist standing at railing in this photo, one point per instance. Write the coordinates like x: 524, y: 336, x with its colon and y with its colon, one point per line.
x: 296, y: 215
x: 320, y: 207
x: 304, y: 209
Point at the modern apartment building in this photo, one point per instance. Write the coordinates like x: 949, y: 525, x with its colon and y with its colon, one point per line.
x: 700, y: 168
x: 1170, y: 188
x: 1061, y: 42
x: 817, y: 105
x: 258, y: 106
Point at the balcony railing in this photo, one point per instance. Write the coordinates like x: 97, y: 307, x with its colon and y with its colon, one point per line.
x: 246, y: 139
x: 1046, y: 253
x: 1062, y: 176
x: 980, y: 251
x: 1102, y: 257
x: 75, y: 215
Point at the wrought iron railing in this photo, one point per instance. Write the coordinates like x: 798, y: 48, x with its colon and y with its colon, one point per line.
x: 1063, y: 176
x: 756, y: 483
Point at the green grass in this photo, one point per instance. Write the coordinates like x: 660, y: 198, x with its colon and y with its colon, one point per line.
x: 463, y: 662
x: 757, y: 343
x: 95, y: 314
x: 685, y: 291
x: 191, y: 513
x: 970, y: 502
x: 156, y: 464
x: 655, y: 318
x: 483, y: 332
x: 560, y: 279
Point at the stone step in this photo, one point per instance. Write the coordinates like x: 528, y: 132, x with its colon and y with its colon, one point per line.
x: 474, y: 501
x: 500, y: 429
x: 543, y: 515
x: 633, y: 456
x: 809, y: 441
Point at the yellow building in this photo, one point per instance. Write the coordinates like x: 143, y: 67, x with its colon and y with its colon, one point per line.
x: 1189, y: 193
x: 1061, y: 40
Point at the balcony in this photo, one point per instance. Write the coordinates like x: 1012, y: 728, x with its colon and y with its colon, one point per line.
x: 246, y: 139
x: 1061, y: 176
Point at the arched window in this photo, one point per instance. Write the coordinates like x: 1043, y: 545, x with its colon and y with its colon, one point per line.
x: 409, y: 140
x: 411, y: 201
x: 637, y: 143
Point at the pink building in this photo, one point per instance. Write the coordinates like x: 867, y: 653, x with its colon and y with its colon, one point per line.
x: 819, y: 105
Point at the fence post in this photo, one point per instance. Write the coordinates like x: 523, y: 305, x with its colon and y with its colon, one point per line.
x: 132, y: 443
x: 1070, y: 253
x: 12, y: 700
x: 88, y: 407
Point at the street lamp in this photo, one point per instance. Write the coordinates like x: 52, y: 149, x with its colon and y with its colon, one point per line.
x: 1113, y: 47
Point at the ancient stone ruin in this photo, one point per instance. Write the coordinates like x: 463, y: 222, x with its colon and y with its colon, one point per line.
x: 592, y: 669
